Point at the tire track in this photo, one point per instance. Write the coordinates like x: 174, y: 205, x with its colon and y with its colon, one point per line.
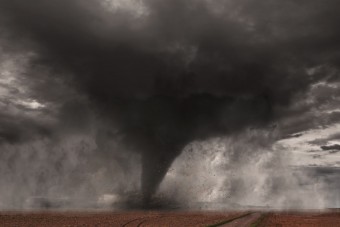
x: 153, y: 219
x: 232, y: 220
x: 131, y: 221
x: 142, y: 220
x: 258, y: 222
x: 245, y: 221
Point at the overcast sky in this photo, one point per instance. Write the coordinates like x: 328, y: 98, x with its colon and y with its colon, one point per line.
x: 166, y: 73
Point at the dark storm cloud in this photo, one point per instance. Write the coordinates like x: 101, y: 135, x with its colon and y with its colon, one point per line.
x: 14, y: 129
x: 185, y: 70
x: 335, y: 147
x: 240, y: 57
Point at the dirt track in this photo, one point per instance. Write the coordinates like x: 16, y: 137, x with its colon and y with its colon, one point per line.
x: 246, y: 220
x: 154, y: 218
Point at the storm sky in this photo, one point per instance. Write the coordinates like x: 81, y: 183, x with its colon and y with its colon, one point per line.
x: 159, y: 75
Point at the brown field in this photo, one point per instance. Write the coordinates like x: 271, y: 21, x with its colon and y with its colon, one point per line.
x: 316, y: 219
x: 173, y: 218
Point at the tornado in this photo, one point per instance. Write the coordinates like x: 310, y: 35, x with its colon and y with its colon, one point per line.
x: 171, y: 72
x: 161, y: 126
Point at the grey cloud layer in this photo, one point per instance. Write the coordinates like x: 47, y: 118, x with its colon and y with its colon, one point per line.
x: 184, y: 70
x: 235, y: 51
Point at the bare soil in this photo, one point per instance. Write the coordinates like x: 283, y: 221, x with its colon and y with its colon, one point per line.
x: 315, y: 219
x: 173, y: 218
x: 125, y: 219
x: 245, y: 221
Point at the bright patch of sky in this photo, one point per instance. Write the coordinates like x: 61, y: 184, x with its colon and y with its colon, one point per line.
x: 136, y: 7
x: 31, y: 104
x: 307, y: 153
x: 13, y: 92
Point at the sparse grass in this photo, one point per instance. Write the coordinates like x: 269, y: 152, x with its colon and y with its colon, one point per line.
x: 229, y: 220
x: 258, y: 221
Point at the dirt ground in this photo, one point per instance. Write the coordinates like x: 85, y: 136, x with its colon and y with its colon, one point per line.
x: 127, y: 219
x: 297, y: 219
x: 162, y: 218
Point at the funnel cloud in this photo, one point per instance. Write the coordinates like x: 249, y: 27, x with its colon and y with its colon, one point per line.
x: 137, y: 82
